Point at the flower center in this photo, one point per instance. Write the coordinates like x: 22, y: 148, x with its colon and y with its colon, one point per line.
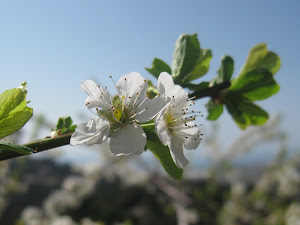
x: 172, y: 121
x: 118, y: 114
x: 178, y: 122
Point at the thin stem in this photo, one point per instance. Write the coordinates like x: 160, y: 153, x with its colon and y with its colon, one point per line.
x: 147, y: 125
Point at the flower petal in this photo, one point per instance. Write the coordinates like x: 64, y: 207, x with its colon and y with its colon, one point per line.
x: 165, y: 84
x: 176, y: 150
x: 193, y: 140
x: 130, y: 139
x: 131, y: 84
x: 161, y: 129
x: 95, y: 131
x: 150, y: 107
x: 98, y: 97
x: 167, y: 87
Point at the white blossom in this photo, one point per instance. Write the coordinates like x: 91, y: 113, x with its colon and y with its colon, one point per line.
x: 118, y: 116
x: 62, y: 220
x: 174, y: 125
x: 292, y: 214
x: 32, y: 216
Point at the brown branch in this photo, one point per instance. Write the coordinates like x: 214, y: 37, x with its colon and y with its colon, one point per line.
x: 40, y: 145
x: 213, y: 91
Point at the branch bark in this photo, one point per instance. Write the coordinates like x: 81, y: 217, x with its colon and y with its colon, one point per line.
x: 40, y: 145
x: 213, y: 91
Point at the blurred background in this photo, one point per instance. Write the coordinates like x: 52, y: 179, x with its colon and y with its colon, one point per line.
x: 234, y: 177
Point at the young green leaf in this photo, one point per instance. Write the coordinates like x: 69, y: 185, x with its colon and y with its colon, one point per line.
x: 255, y: 85
x: 163, y: 154
x: 65, y: 125
x: 158, y: 66
x: 68, y: 122
x: 260, y: 57
x: 60, y: 123
x: 226, y: 69
x: 14, y: 112
x: 271, y: 62
x: 244, y: 111
x: 202, y: 66
x: 6, y: 147
x: 214, y: 110
x: 186, y: 54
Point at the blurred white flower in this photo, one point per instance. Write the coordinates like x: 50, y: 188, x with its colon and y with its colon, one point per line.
x: 60, y: 202
x: 118, y: 114
x: 292, y: 215
x: 32, y: 216
x: 79, y: 186
x: 88, y: 221
x: 289, y: 181
x: 174, y: 125
x: 267, y: 182
x: 238, y: 189
x: 63, y: 220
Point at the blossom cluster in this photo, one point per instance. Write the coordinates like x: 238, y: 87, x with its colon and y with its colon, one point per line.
x: 121, y: 117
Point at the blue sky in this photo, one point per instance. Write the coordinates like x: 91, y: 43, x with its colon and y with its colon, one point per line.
x: 54, y: 45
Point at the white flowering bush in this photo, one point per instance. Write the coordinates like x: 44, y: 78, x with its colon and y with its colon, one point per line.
x: 143, y: 117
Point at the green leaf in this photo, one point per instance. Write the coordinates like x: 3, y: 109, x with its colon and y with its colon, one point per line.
x: 260, y: 57
x: 272, y: 62
x: 9, y: 100
x: 60, y: 123
x: 226, y: 69
x: 65, y: 125
x: 214, y: 110
x: 255, y: 85
x: 244, y: 111
x: 202, y: 66
x: 186, y: 54
x: 68, y: 121
x: 14, y: 112
x: 158, y: 66
x: 163, y: 154
x: 71, y: 129
x: 4, y: 146
x: 197, y: 87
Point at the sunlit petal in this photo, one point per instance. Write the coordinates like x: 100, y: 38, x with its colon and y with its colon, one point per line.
x: 130, y: 139
x: 176, y: 149
x: 165, y: 84
x: 161, y: 129
x: 95, y: 131
x: 193, y: 140
x: 97, y: 96
x: 132, y: 85
x: 149, y: 109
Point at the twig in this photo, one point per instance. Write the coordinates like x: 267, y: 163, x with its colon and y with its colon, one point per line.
x: 40, y: 145
x: 213, y: 91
